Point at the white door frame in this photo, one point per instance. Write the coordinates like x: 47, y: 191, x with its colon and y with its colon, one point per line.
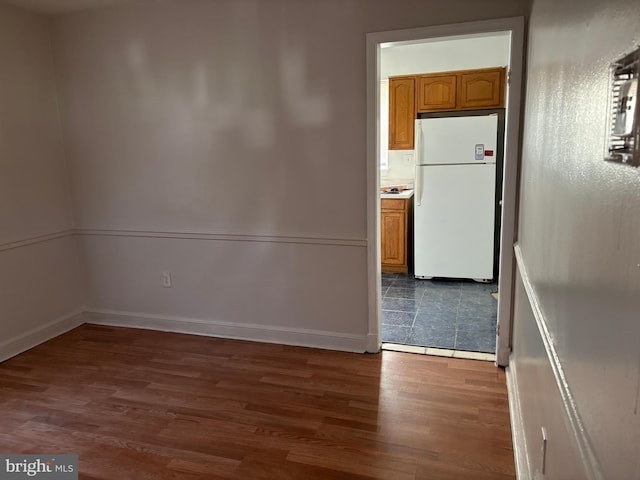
x: 514, y: 25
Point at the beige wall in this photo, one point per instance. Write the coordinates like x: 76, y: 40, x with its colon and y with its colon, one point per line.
x: 34, y: 198
x: 579, y: 237
x: 229, y: 139
x: 39, y: 264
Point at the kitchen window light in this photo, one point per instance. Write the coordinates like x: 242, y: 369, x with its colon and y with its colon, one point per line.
x: 384, y: 125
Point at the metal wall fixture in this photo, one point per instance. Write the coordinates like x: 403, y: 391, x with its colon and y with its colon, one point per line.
x: 623, y: 123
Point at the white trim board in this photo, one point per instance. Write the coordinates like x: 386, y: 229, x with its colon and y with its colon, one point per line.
x: 587, y: 455
x: 515, y: 26
x: 234, y: 237
x: 23, y: 342
x: 439, y: 352
x: 34, y: 240
x: 249, y: 332
x: 519, y: 439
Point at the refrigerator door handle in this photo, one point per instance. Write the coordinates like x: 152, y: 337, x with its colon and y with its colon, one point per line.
x: 418, y: 187
x: 416, y: 144
x: 418, y: 162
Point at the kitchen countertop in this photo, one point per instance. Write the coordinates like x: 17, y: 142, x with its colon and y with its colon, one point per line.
x: 403, y: 194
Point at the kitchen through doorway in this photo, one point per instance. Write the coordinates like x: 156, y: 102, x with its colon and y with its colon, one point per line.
x: 443, y: 315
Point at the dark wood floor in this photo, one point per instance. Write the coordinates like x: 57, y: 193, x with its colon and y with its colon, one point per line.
x: 138, y: 404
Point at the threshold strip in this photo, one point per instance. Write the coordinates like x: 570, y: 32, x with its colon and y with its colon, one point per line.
x: 439, y: 352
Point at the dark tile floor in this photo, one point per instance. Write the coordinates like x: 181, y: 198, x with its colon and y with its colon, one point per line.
x: 458, y: 315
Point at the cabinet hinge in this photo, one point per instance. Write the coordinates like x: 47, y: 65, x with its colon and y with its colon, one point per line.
x: 509, y: 77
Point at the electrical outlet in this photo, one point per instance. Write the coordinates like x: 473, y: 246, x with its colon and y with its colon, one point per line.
x: 166, y: 279
x: 408, y: 159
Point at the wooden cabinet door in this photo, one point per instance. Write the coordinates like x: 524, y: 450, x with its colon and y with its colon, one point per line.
x: 402, y: 112
x: 392, y: 228
x: 436, y: 93
x: 481, y: 89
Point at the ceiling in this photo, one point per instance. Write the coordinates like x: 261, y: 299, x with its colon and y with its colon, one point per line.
x: 63, y: 6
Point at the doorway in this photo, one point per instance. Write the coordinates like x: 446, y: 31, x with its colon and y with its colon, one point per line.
x: 513, y: 27
x: 446, y: 315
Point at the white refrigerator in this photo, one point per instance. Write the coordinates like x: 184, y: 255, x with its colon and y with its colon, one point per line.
x: 455, y: 198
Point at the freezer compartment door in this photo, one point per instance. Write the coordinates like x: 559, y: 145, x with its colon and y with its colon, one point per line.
x: 454, y: 223
x: 454, y: 140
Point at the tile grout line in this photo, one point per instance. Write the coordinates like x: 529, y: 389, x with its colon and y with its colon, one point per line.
x: 415, y: 314
x: 413, y: 323
x: 455, y: 332
x: 391, y: 285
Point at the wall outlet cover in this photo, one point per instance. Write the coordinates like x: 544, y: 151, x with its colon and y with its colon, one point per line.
x: 166, y: 279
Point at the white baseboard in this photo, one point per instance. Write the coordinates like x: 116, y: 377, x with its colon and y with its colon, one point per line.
x: 251, y: 332
x: 520, y: 451
x: 21, y: 343
x: 373, y: 343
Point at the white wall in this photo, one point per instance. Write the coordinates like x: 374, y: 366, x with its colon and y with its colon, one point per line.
x: 579, y: 236
x: 231, y: 137
x: 444, y: 55
x: 40, y: 280
x: 460, y: 53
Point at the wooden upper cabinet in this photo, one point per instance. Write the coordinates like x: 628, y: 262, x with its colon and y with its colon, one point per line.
x: 481, y: 89
x: 436, y: 93
x: 440, y: 92
x: 402, y: 112
x: 461, y: 90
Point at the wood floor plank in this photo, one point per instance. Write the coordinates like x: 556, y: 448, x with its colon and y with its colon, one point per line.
x: 153, y: 405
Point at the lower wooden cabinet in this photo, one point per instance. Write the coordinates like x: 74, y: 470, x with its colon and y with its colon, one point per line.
x: 396, y: 232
